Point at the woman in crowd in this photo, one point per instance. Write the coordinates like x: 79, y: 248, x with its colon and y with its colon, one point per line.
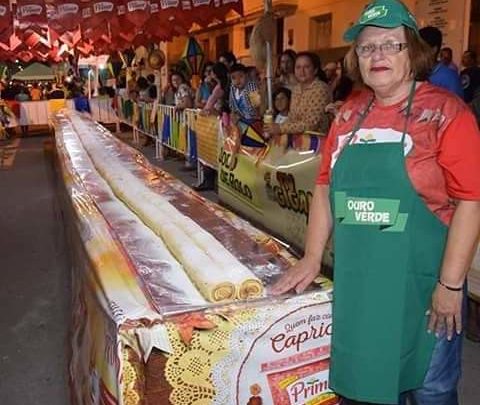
x: 286, y: 70
x: 309, y: 99
x: 206, y: 86
x: 183, y: 92
x: 396, y: 187
x: 217, y: 104
x: 342, y: 85
x: 168, y: 92
x: 281, y: 104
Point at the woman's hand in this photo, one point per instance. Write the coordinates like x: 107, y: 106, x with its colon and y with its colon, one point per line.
x: 298, y: 277
x: 272, y: 129
x: 333, y: 108
x: 446, y: 311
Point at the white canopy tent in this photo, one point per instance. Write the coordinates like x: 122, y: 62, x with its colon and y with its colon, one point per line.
x: 35, y: 72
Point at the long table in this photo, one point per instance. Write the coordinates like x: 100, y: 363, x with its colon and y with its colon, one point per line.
x: 138, y: 337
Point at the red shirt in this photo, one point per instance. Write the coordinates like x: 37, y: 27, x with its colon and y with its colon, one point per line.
x: 442, y: 145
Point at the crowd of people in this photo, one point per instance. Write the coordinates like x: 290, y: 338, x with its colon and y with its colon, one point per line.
x: 228, y: 86
x: 306, y: 94
x: 36, y: 91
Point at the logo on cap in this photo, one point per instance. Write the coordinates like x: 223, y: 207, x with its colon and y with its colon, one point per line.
x: 373, y: 14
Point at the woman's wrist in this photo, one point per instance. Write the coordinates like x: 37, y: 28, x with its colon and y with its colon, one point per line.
x: 450, y: 287
x: 314, y: 257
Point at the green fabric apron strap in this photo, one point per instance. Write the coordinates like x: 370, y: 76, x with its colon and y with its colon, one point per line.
x: 388, y: 252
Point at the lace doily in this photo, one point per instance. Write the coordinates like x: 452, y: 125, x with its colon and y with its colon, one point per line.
x: 189, y: 369
x: 222, y: 373
x: 132, y: 386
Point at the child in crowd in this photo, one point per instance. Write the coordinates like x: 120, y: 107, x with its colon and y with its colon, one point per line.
x: 244, y: 95
x: 281, y: 104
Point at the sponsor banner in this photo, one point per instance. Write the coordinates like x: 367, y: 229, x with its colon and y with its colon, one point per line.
x: 273, y: 185
x: 281, y: 357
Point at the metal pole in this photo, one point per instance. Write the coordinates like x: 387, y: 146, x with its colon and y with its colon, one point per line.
x: 268, y: 9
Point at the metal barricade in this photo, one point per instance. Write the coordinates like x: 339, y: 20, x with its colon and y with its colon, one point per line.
x: 207, y: 130
x: 172, y: 129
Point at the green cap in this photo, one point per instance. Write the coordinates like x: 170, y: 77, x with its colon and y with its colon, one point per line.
x: 384, y: 14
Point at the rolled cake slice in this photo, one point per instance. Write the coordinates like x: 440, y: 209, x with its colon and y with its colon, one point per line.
x: 246, y: 283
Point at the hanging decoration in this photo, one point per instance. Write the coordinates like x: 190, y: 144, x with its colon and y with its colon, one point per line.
x: 31, y: 12
x: 137, y: 11
x: 5, y: 15
x: 69, y: 14
x: 48, y: 30
x: 193, y: 56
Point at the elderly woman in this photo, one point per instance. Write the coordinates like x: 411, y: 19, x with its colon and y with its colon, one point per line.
x: 309, y: 99
x: 398, y: 186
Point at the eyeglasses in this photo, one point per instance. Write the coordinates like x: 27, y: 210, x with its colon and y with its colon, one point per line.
x: 387, y: 48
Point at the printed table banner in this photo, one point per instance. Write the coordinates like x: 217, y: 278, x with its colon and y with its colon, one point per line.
x: 275, y: 355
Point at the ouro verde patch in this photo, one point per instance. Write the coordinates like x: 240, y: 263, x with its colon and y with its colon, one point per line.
x: 374, y: 13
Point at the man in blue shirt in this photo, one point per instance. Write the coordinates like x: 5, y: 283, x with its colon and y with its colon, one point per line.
x: 441, y: 75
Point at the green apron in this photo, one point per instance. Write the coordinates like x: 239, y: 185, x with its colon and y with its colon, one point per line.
x: 388, y: 252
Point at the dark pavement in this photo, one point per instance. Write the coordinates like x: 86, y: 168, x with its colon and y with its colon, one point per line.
x: 35, y: 285
x: 34, y: 280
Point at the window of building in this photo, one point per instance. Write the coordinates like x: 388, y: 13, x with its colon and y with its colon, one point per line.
x: 474, y: 37
x: 321, y: 31
x: 222, y: 44
x: 248, y: 34
x: 206, y: 48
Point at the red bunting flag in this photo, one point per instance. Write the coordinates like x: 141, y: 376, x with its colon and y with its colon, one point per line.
x: 5, y: 15
x: 31, y: 11
x: 103, y: 11
x: 69, y: 13
x: 137, y: 11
